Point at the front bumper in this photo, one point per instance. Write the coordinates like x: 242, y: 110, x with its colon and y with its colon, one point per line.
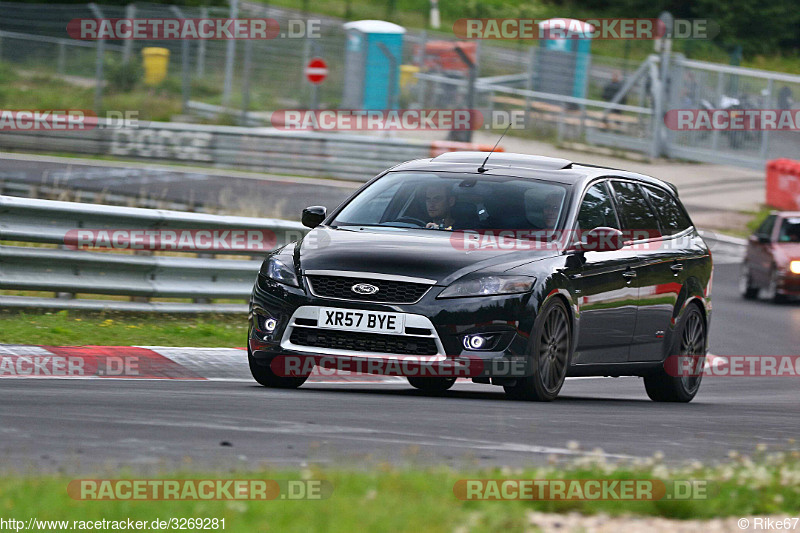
x: 438, y: 324
x: 788, y: 283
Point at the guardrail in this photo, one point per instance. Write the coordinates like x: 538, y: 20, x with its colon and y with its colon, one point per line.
x: 302, y: 153
x: 69, y: 270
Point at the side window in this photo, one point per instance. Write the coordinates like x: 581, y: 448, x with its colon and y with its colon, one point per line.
x: 765, y: 229
x: 671, y: 215
x: 633, y: 207
x: 597, y: 209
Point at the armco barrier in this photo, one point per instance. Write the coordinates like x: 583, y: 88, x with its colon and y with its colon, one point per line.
x: 783, y: 184
x: 300, y: 153
x: 141, y: 276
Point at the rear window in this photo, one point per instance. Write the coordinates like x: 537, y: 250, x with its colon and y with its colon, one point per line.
x: 671, y: 215
x: 633, y: 207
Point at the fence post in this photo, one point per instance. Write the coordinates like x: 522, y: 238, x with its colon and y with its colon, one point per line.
x: 98, y: 71
x: 392, y: 75
x: 127, y: 47
x: 769, y: 104
x: 185, y: 76
x: 230, y: 53
x: 201, y: 49
x: 466, y: 135
x: 658, y: 101
x: 420, y: 60
x: 717, y: 98
x: 248, y: 53
x: 61, y: 57
x: 529, y: 84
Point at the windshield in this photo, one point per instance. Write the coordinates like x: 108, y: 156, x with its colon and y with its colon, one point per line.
x: 447, y: 201
x: 790, y: 230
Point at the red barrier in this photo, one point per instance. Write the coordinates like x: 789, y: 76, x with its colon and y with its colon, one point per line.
x: 783, y: 184
x: 442, y: 147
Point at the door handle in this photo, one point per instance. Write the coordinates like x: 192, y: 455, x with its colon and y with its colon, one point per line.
x: 677, y: 267
x: 629, y: 274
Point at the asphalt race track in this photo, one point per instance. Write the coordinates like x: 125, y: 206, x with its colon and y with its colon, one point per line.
x: 150, y: 424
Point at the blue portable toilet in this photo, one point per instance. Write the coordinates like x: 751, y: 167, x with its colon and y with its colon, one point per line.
x: 562, y: 65
x: 371, y: 79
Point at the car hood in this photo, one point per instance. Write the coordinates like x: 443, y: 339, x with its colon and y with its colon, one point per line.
x: 785, y: 252
x: 436, y: 255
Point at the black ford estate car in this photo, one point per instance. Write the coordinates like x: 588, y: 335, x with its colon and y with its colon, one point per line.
x: 537, y: 268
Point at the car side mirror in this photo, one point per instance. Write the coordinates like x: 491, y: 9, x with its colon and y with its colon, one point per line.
x: 313, y: 216
x: 601, y: 239
x: 763, y: 239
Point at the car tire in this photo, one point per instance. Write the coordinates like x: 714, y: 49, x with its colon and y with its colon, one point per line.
x: 432, y: 385
x: 549, y: 357
x: 263, y: 374
x: 689, y: 339
x: 772, y: 289
x: 746, y: 288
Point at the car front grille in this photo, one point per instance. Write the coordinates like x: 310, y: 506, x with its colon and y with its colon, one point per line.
x: 389, y: 291
x: 374, y: 343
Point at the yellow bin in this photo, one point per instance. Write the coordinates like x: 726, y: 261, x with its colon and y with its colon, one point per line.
x: 155, y: 64
x: 407, y: 73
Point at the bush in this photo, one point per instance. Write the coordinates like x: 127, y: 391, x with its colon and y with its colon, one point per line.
x: 123, y: 77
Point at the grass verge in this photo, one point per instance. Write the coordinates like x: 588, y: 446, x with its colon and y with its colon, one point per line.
x: 122, y: 329
x: 391, y: 499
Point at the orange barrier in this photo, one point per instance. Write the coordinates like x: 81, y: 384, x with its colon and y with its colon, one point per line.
x: 442, y: 147
x: 783, y: 184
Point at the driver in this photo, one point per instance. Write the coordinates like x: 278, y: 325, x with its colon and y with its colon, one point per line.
x: 439, y: 199
x: 552, y: 206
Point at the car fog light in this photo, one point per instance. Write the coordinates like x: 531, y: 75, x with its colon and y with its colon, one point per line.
x: 474, y: 342
x: 270, y: 324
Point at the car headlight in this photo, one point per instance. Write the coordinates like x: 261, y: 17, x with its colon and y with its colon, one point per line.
x: 487, y: 286
x: 281, y: 270
x: 794, y: 267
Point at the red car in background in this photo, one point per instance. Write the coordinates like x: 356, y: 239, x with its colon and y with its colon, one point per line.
x: 772, y: 263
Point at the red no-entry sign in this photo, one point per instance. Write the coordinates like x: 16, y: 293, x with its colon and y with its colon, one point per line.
x: 316, y: 70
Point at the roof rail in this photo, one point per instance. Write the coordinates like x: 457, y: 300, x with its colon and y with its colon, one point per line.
x: 505, y: 159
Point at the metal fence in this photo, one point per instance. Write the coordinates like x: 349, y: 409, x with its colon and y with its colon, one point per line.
x: 219, y: 79
x: 202, y: 277
x: 350, y: 157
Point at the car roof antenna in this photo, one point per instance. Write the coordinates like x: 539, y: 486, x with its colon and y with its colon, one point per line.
x: 482, y: 168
